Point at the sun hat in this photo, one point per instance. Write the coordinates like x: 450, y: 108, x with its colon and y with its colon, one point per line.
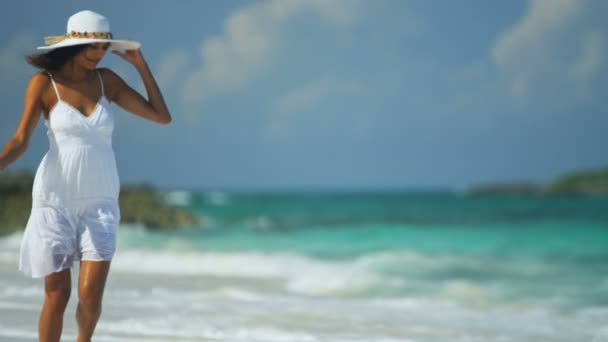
x: 86, y: 27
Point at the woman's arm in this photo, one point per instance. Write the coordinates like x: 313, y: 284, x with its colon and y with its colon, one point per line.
x: 154, y: 108
x: 32, y: 107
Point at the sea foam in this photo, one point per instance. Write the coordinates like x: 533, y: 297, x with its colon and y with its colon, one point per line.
x: 304, y: 275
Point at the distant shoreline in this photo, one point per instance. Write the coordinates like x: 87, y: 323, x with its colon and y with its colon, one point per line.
x: 588, y: 182
x: 156, y: 209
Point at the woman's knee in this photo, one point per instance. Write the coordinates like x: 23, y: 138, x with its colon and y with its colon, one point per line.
x: 59, y: 297
x: 58, y: 288
x: 89, y: 298
x: 91, y: 284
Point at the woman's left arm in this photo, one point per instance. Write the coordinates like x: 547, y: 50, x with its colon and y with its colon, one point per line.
x: 154, y: 108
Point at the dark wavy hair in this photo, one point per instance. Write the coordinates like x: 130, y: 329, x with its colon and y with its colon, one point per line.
x: 54, y: 59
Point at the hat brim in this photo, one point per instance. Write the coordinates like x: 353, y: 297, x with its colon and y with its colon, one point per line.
x: 115, y: 44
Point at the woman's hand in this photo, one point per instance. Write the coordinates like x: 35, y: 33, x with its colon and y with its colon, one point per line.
x: 134, y: 57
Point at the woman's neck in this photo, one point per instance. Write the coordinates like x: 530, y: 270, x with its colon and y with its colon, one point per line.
x: 73, y: 73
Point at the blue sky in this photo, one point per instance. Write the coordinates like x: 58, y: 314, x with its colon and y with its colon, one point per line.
x: 344, y: 94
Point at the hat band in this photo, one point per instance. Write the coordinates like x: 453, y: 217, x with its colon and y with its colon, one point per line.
x: 50, y: 40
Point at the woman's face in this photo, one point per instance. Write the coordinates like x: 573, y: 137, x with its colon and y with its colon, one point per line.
x: 91, y: 55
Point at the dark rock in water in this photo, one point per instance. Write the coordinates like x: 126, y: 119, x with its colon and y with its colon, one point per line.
x: 138, y: 205
x: 144, y: 205
x: 15, y: 201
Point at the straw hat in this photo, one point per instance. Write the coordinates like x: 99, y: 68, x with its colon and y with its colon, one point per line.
x: 86, y: 27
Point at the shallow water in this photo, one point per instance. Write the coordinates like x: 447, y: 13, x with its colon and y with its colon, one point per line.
x: 349, y: 268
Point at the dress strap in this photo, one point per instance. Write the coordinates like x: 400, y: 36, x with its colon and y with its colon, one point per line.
x: 100, y: 82
x: 54, y: 85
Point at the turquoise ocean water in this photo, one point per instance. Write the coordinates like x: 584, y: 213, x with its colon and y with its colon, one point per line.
x: 351, y: 267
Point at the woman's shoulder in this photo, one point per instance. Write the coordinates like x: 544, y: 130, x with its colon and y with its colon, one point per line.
x: 109, y: 77
x: 112, y: 82
x: 40, y: 78
x: 39, y: 89
x: 107, y: 73
x: 39, y: 82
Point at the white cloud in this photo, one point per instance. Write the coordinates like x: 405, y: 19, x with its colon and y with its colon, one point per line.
x: 305, y: 97
x: 592, y: 59
x: 170, y: 69
x: 552, y: 52
x: 247, y: 46
x: 541, y: 19
x: 308, y: 99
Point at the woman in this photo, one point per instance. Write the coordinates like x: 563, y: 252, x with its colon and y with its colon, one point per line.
x: 75, y: 210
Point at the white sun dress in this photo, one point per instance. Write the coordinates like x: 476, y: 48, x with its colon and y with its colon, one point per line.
x: 75, y: 211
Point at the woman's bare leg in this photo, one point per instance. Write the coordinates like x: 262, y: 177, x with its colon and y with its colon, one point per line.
x: 91, y: 283
x: 57, y: 288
